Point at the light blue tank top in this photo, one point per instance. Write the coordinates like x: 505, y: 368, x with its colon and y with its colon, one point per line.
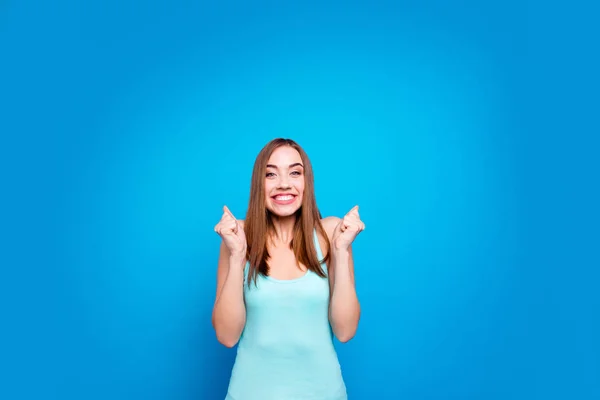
x: 286, y: 350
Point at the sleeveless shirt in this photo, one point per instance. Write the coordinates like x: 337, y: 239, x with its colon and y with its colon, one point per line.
x: 286, y: 349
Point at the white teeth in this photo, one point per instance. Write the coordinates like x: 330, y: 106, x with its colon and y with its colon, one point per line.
x: 284, y: 198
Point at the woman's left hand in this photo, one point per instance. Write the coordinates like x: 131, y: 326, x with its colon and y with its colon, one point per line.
x: 347, y: 230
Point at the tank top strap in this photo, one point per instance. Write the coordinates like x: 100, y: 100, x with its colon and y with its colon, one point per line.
x: 319, y: 252
x: 246, y: 269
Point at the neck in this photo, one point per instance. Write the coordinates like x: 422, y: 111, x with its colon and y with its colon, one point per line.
x: 283, y: 229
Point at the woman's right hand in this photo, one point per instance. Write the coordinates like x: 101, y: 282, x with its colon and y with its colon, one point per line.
x: 232, y: 233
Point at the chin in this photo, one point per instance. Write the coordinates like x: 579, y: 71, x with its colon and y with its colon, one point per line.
x: 285, y: 213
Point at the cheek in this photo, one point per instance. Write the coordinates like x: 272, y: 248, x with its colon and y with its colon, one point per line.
x: 268, y: 187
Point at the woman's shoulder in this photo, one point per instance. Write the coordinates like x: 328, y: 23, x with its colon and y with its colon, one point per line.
x: 329, y: 224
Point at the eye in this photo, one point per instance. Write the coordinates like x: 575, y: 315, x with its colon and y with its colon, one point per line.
x: 296, y: 173
x: 270, y: 174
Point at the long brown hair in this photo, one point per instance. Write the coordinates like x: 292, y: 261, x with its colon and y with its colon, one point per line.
x: 259, y: 223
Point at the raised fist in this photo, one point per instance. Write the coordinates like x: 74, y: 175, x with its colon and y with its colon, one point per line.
x: 347, y: 229
x: 232, y: 233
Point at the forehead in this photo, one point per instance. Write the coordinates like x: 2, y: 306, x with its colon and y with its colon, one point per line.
x: 285, y: 155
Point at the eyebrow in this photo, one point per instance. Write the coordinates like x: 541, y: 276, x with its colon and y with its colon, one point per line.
x: 291, y: 165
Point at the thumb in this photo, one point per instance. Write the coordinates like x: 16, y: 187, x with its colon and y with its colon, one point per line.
x: 225, y: 209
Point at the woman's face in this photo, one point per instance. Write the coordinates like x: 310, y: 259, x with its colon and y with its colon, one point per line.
x: 284, y: 181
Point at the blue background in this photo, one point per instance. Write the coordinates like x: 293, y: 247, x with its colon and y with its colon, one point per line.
x: 462, y: 130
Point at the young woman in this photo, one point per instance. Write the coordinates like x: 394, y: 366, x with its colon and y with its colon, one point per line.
x: 285, y: 284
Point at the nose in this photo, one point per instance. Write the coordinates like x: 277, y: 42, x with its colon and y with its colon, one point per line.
x: 284, y: 183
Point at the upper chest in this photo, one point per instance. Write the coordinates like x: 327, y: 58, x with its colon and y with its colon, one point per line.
x: 284, y: 265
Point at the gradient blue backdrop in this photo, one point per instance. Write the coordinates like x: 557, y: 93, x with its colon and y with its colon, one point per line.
x: 128, y: 125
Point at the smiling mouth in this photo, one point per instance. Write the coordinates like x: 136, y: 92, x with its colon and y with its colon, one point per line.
x: 284, y: 197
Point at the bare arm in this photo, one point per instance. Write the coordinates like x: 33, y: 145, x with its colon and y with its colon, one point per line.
x: 344, y: 307
x: 229, y: 311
